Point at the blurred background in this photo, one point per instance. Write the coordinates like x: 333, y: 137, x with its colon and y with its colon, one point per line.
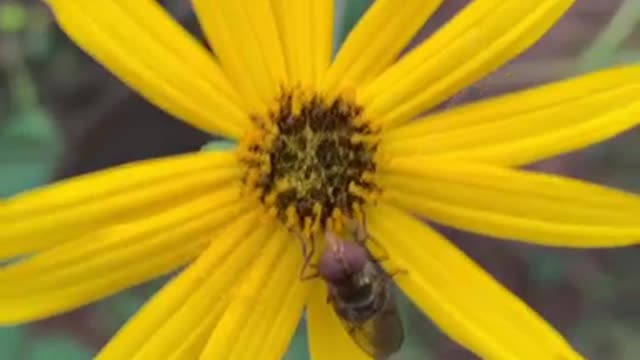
x: 61, y: 114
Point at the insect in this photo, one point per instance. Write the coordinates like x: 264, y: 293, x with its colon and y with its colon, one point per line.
x: 360, y: 293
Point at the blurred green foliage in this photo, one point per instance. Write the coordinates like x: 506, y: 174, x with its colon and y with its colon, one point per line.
x: 30, y: 142
x: 299, y: 347
x: 18, y: 343
x: 30, y: 148
x: 348, y: 12
x: 218, y: 145
x: 57, y: 347
x: 12, y: 342
x: 30, y: 145
x: 608, y: 48
x: 13, y: 17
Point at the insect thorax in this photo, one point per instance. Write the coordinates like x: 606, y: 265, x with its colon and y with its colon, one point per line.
x: 362, y: 297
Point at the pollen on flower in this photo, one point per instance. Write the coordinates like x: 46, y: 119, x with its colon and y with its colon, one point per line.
x: 312, y: 161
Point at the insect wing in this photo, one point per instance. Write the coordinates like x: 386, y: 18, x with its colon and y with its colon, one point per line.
x: 379, y: 336
x: 382, y: 335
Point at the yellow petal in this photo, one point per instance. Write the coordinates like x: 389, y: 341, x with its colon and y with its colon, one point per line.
x: 213, y: 295
x: 109, y: 261
x: 249, y: 299
x: 49, y: 216
x: 462, y: 299
x: 97, y: 253
x: 328, y: 339
x: 485, y: 35
x: 245, y: 37
x: 530, y: 125
x: 142, y: 45
x: 276, y: 310
x: 306, y: 30
x: 190, y: 303
x: 513, y: 204
x: 288, y: 316
x: 376, y: 41
x: 196, y: 335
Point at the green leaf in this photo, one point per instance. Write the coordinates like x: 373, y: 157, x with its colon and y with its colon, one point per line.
x: 627, y: 341
x: 12, y: 341
x: 548, y: 269
x: 348, y: 12
x: 57, y: 348
x: 13, y: 17
x: 419, y: 332
x: 605, y: 48
x: 114, y: 312
x: 299, y: 347
x: 30, y: 146
x: 219, y: 145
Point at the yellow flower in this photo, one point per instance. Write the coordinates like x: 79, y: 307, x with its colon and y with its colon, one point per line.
x: 321, y: 140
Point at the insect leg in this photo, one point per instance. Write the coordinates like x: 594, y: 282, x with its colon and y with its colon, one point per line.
x: 329, y: 297
x: 308, y: 253
x: 362, y: 237
x: 391, y: 273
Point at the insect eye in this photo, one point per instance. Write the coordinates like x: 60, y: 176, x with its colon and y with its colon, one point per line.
x: 355, y: 256
x: 332, y: 269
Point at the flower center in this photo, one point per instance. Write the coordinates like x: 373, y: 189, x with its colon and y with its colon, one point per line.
x: 312, y: 162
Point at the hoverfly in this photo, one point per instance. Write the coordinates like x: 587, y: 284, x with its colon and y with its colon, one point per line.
x: 360, y: 292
